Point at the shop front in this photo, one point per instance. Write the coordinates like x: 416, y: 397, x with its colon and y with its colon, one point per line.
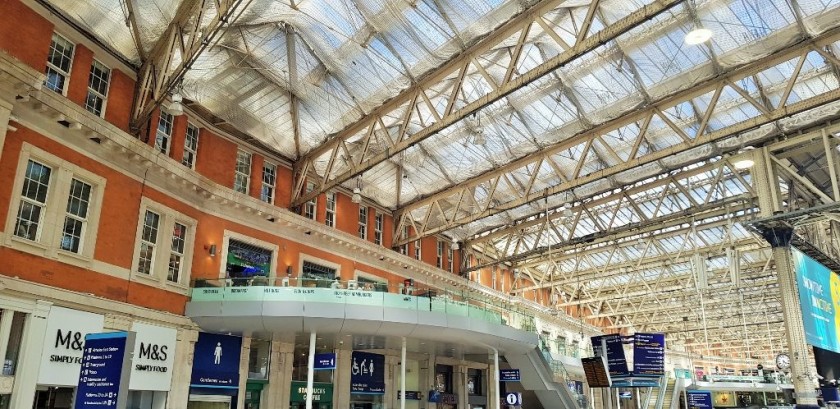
x: 321, y: 397
x: 152, y: 366
x: 214, y: 383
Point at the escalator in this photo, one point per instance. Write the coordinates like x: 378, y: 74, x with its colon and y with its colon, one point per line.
x: 546, y: 377
x: 666, y: 399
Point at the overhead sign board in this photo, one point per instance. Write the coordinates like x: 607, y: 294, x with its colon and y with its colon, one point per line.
x: 616, y: 361
x: 819, y: 299
x: 509, y: 375
x: 324, y: 361
x: 648, y: 354
x: 699, y: 399
x: 216, y: 361
x: 104, y: 371
x: 367, y: 373
x: 61, y: 358
x: 595, y: 369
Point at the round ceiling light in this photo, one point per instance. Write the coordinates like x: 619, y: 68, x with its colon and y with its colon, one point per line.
x: 698, y: 36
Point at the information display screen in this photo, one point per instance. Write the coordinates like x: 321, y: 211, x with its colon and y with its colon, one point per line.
x: 648, y: 354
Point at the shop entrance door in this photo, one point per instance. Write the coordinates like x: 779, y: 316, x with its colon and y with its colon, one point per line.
x: 208, y: 402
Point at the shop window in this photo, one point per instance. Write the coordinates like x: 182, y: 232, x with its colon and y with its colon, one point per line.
x: 246, y: 261
x: 190, y: 146
x: 164, y: 244
x: 475, y: 382
x: 242, y: 174
x: 14, y: 342
x: 58, y: 64
x: 443, y: 378
x: 57, y: 209
x: 97, y: 94
x: 372, y: 284
x: 146, y: 399
x: 317, y: 275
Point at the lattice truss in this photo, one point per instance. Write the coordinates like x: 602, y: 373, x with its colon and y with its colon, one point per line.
x: 580, y: 142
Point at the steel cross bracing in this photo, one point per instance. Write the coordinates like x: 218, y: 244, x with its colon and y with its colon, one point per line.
x: 460, y: 205
x: 439, y: 99
x: 197, y: 24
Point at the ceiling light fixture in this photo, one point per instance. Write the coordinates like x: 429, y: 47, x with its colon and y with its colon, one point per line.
x: 744, y: 159
x: 698, y: 35
x: 176, y: 108
x: 357, y: 191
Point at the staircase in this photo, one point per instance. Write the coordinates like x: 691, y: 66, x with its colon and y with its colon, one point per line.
x: 665, y: 400
x: 546, y: 377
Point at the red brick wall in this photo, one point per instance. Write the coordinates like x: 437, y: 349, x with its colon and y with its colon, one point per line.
x: 24, y: 34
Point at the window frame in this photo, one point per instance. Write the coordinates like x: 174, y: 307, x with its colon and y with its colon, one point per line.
x: 450, y: 256
x: 378, y: 224
x: 48, y: 242
x: 192, y: 151
x: 237, y: 174
x: 97, y: 94
x: 363, y: 219
x: 439, y: 259
x: 159, y: 271
x: 310, y: 208
x: 228, y: 235
x: 50, y: 66
x: 418, y: 249
x: 171, y: 119
x: 404, y: 247
x: 272, y: 186
x: 330, y: 207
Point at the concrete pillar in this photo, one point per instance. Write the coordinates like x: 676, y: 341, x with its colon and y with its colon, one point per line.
x: 341, y: 380
x: 429, y: 379
x: 460, y: 385
x: 493, y: 395
x: 392, y: 381
x: 278, y: 390
x: 179, y: 391
x: 243, y: 371
x: 29, y: 357
x: 769, y: 194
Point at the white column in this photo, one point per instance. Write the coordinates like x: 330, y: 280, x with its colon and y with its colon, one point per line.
x: 5, y: 113
x: 310, y: 374
x: 5, y: 331
x: 244, y: 357
x: 493, y: 381
x: 403, y: 364
x: 179, y: 390
x: 29, y: 358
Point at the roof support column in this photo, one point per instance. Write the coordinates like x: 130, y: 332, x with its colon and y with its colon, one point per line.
x: 801, y: 369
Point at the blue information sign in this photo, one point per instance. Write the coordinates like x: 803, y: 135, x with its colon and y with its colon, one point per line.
x: 509, y: 375
x: 616, y: 362
x: 105, y: 369
x: 216, y: 361
x: 367, y: 374
x: 819, y: 298
x: 648, y: 354
x: 324, y: 361
x: 699, y: 399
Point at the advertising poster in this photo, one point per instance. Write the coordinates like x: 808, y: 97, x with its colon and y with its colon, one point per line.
x: 819, y: 298
x: 616, y: 361
x: 216, y: 361
x: 367, y: 373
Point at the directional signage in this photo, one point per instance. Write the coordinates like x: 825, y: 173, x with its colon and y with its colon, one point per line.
x: 105, y: 371
x: 699, y: 399
x: 411, y: 395
x: 509, y: 375
x: 216, y: 361
x: 324, y: 361
x: 616, y: 361
x: 648, y: 354
x: 367, y: 373
x: 513, y: 398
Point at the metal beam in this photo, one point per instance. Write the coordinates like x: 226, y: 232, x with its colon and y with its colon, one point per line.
x: 454, y: 71
x: 643, y: 117
x: 177, y: 49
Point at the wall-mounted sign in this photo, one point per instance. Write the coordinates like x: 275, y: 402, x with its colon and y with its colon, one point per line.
x: 513, y: 398
x: 625, y: 395
x: 216, y: 361
x: 321, y: 392
x: 509, y: 375
x: 819, y: 299
x: 61, y: 358
x: 616, y: 362
x: 104, y: 371
x: 367, y: 373
x: 699, y: 399
x: 411, y: 395
x: 154, y: 356
x: 648, y: 354
x: 724, y: 400
x: 324, y: 361
x: 440, y: 397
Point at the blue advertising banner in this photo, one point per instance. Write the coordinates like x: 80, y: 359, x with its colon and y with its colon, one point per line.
x: 819, y: 298
x: 105, y: 369
x: 509, y: 375
x: 324, y: 361
x: 367, y: 374
x: 699, y: 399
x: 616, y: 361
x: 216, y: 361
x: 648, y: 354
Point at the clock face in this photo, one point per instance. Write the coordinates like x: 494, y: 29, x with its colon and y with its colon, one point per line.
x: 783, y: 361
